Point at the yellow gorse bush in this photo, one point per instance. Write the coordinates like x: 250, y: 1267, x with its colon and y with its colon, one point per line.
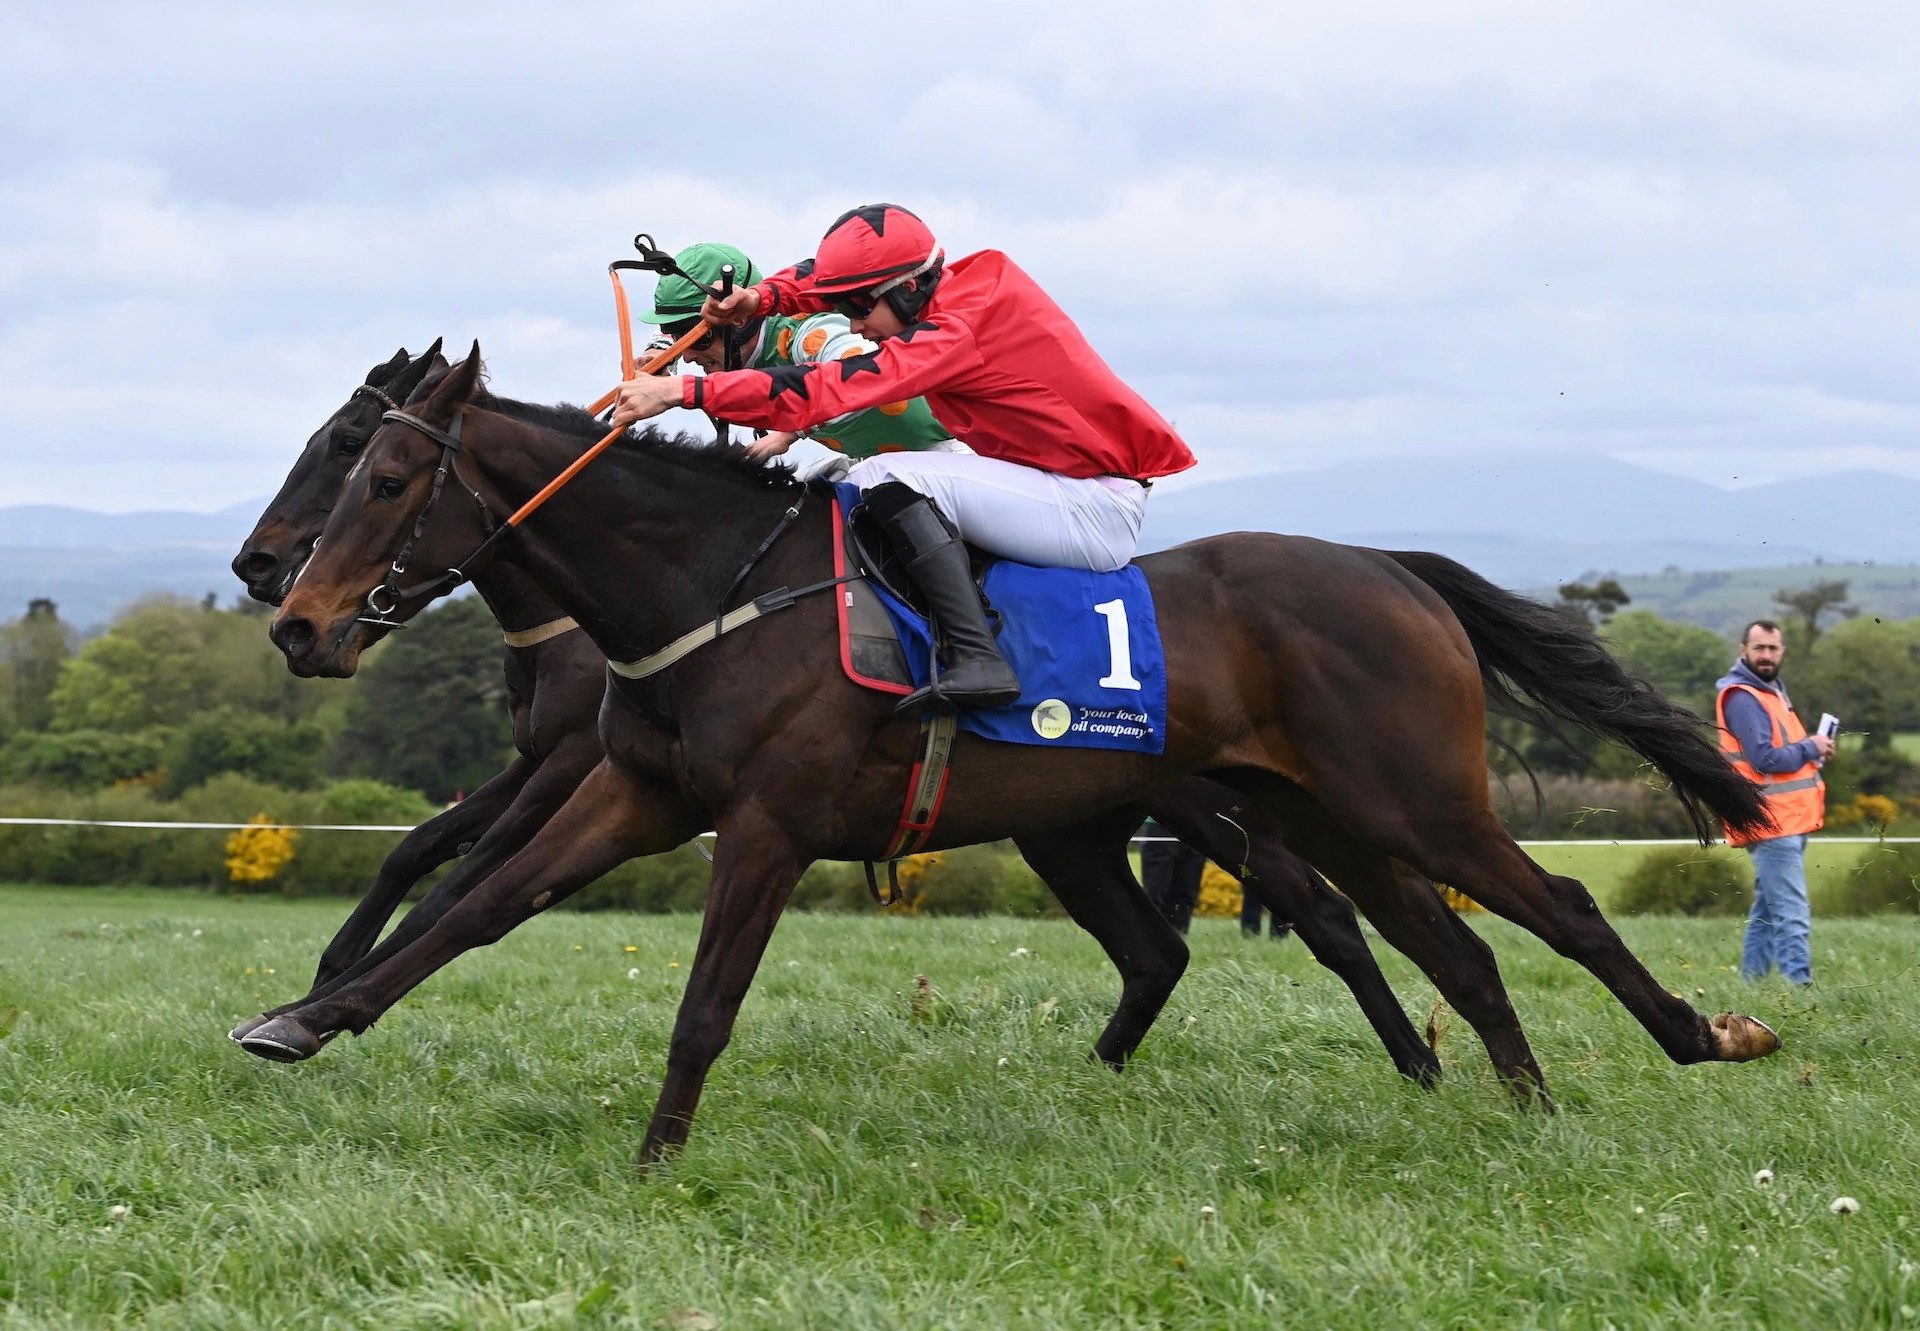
x: 258, y: 851
x: 916, y: 871
x: 1219, y: 894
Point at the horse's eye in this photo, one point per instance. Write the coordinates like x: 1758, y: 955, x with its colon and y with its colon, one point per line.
x: 348, y: 448
x: 390, y: 487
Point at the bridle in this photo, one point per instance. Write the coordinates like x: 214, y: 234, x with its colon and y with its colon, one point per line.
x: 387, y: 598
x: 389, y: 595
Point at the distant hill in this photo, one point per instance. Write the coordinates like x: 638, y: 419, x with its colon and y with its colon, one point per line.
x: 1728, y: 602
x: 1536, y: 521
x: 92, y: 564
x: 1524, y: 522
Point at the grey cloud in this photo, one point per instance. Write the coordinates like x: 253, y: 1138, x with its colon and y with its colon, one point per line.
x: 1375, y: 229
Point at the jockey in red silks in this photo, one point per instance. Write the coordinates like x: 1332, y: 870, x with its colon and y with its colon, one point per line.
x: 1063, y: 451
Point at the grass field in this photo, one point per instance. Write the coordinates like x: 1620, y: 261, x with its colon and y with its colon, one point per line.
x: 469, y: 1161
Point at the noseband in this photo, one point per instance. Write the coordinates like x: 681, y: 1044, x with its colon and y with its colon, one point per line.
x: 389, y: 596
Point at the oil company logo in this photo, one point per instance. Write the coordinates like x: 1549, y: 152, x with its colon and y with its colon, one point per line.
x: 1052, y: 719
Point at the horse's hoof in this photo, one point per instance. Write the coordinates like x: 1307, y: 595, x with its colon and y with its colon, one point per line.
x: 247, y: 1027
x: 283, y: 1040
x: 1741, y: 1039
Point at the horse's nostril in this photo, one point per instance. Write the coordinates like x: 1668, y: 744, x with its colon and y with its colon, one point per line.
x: 295, y: 637
x: 255, y: 566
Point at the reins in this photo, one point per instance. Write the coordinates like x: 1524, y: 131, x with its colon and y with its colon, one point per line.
x: 388, y: 597
x: 449, y: 440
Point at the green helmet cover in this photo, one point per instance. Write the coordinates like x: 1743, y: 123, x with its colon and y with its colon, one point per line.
x: 676, y: 300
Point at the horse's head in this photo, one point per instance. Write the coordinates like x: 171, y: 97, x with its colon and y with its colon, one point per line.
x: 391, y: 529
x: 283, y: 537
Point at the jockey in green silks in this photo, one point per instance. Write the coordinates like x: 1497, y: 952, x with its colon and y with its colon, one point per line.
x: 895, y: 427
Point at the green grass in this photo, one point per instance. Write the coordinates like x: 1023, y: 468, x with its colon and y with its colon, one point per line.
x: 469, y: 1161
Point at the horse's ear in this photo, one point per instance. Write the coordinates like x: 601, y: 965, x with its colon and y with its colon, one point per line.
x: 458, y: 388
x: 409, y: 378
x: 385, y: 371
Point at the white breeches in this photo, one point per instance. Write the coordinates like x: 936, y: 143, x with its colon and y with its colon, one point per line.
x: 1021, y: 513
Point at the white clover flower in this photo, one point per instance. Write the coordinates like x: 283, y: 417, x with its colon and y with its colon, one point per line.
x: 1763, y: 1178
x: 119, y: 1212
x: 198, y: 932
x: 1207, y: 1213
x: 1639, y: 1210
x: 633, y: 972
x: 1020, y: 952
x: 913, y: 1164
x: 1843, y: 1206
x: 1001, y: 1064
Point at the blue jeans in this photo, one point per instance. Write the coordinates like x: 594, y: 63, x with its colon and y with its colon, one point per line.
x: 1781, y: 924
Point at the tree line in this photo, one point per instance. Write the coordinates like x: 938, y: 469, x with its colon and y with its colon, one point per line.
x: 176, y: 692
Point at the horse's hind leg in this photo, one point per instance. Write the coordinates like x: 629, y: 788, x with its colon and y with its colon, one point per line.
x: 1478, y: 857
x: 1410, y: 915
x: 1242, y: 838
x: 1086, y: 867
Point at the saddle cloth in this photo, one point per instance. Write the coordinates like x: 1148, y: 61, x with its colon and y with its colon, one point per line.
x: 1086, y: 647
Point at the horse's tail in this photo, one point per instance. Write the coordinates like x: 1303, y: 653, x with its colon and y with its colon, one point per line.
x: 1530, y: 652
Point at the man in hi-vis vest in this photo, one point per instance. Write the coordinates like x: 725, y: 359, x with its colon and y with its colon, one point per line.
x: 1766, y: 743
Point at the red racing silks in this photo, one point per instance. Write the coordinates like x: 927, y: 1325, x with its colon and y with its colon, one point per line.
x: 999, y: 363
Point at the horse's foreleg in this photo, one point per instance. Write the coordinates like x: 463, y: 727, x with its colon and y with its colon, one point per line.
x: 1244, y: 840
x: 611, y: 818
x: 419, y: 853
x: 540, y: 797
x: 755, y: 867
x: 1086, y: 867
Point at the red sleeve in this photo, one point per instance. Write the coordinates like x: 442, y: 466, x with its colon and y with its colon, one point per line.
x: 790, y: 291
x: 919, y: 359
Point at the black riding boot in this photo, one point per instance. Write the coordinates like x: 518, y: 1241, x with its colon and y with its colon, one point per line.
x: 936, y: 559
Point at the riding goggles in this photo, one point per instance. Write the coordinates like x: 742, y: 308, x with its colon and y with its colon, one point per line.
x: 681, y: 328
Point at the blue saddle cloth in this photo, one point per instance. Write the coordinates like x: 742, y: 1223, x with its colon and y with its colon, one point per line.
x: 1086, y: 647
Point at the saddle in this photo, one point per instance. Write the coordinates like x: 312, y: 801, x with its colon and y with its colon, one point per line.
x: 874, y: 655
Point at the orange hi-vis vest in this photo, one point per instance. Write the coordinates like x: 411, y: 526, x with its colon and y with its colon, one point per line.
x: 1798, y: 799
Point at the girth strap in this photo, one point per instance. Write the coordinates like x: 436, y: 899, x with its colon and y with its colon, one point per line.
x: 533, y: 637
x: 926, y: 792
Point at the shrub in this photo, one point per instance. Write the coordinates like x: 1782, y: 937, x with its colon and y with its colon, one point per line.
x: 1884, y: 878
x: 226, y: 739
x: 1572, y: 806
x: 80, y: 759
x: 1875, y: 812
x: 1220, y: 895
x: 260, y: 850
x: 1686, y: 880
x: 974, y: 880
x: 654, y: 884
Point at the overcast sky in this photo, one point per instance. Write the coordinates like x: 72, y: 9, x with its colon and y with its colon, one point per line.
x: 1681, y: 235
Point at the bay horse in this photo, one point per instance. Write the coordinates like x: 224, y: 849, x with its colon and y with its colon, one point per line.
x: 555, y: 679
x: 1341, y: 689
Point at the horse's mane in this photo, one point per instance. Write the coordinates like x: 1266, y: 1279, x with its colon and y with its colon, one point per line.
x: 681, y: 450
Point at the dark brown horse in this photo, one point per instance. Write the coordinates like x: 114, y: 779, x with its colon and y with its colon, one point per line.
x: 1340, y: 689
x: 555, y: 686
